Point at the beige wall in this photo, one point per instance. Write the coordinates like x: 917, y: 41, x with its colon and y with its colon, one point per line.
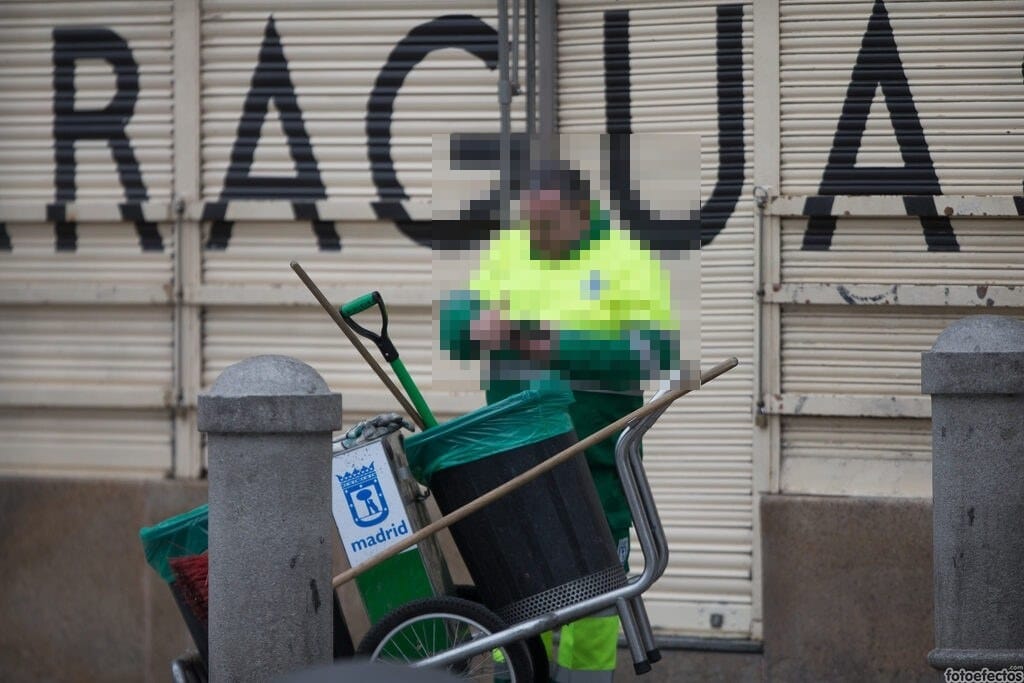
x: 79, y: 602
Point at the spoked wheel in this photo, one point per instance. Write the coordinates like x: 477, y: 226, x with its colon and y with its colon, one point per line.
x: 426, y: 627
x: 534, y: 645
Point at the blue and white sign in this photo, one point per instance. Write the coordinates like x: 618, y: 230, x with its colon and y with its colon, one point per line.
x: 367, y: 506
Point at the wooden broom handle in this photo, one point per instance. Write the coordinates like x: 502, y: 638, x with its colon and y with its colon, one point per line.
x: 357, y: 342
x: 530, y: 474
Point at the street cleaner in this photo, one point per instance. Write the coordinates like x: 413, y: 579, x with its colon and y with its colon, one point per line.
x: 568, y: 298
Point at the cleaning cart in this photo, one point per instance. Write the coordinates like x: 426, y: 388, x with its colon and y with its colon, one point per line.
x: 514, y: 488
x: 518, y: 601
x: 540, y: 554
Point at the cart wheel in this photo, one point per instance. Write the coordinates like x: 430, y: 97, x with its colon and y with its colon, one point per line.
x: 534, y: 645
x: 429, y: 626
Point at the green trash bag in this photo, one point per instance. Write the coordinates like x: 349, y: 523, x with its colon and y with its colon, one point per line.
x: 181, y: 535
x: 519, y: 420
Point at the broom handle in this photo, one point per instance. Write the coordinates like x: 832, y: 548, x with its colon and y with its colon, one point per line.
x: 529, y: 475
x: 356, y: 342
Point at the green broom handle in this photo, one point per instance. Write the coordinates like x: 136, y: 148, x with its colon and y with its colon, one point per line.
x: 414, y: 393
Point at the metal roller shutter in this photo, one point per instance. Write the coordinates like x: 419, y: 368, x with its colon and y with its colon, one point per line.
x: 933, y: 87
x: 254, y: 272
x: 681, y: 56
x: 84, y: 442
x: 107, y: 257
x: 875, y: 250
x: 962, y: 63
x: 29, y: 47
x: 857, y: 456
x: 233, y: 333
x: 86, y: 263
x: 848, y: 361
x: 374, y: 253
x: 841, y: 350
x: 73, y: 377
x: 115, y: 356
x: 335, y: 53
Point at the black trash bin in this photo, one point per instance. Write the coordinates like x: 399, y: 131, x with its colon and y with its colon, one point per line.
x: 547, y: 544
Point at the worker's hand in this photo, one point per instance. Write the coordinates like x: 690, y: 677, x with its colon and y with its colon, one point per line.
x: 491, y: 330
x: 536, y: 344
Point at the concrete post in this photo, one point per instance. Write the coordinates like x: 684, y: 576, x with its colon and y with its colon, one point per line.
x: 975, y: 374
x: 269, y: 422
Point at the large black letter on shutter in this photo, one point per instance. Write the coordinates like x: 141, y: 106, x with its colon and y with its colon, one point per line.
x: 731, y: 155
x: 879, y: 66
x: 71, y: 44
x: 459, y: 31
x: 272, y: 81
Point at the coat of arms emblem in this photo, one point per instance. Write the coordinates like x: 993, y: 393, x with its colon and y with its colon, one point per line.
x: 364, y: 496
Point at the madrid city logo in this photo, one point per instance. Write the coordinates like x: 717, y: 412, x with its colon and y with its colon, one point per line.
x: 364, y: 496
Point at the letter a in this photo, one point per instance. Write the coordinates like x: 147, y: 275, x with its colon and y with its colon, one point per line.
x: 879, y: 67
x: 272, y: 80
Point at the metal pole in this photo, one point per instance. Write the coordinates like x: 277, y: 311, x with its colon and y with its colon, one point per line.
x: 547, y: 74
x: 531, y: 68
x: 761, y: 204
x: 505, y: 106
x: 514, y: 50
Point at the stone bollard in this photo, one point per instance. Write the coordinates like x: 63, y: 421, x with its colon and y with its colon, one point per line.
x: 975, y: 375
x: 269, y: 421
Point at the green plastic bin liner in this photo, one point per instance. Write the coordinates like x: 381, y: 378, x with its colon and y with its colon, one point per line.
x: 184, y: 534
x: 519, y: 420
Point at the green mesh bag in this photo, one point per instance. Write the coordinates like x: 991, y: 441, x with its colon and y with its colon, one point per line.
x: 184, y: 534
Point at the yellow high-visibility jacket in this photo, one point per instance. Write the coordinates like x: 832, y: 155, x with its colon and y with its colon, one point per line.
x: 608, y: 302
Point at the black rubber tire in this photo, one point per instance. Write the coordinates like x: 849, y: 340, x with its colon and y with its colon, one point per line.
x: 456, y: 610
x: 534, y: 645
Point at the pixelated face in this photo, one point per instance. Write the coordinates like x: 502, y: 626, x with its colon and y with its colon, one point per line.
x: 556, y: 223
